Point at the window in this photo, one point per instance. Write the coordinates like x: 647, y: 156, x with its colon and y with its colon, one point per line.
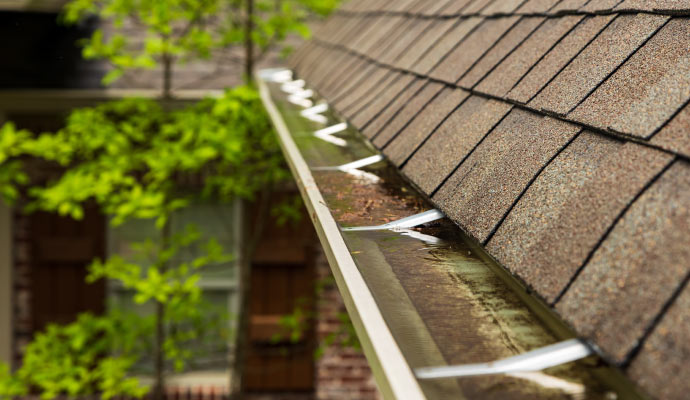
x: 219, y: 282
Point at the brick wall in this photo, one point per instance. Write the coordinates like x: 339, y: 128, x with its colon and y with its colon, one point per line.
x: 21, y: 294
x: 341, y: 373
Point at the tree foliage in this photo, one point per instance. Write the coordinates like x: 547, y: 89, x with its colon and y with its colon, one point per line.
x: 136, y: 160
x: 183, y: 30
x: 130, y: 156
x: 96, y: 354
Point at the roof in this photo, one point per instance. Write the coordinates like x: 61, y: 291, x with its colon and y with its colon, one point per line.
x: 555, y: 133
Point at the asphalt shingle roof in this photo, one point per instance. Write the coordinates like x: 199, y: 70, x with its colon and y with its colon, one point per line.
x: 556, y: 133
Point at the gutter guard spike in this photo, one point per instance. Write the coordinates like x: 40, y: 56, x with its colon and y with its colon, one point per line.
x: 331, y: 129
x: 300, y: 101
x: 334, y: 140
x: 352, y: 168
x: 293, y: 86
x: 420, y: 236
x: 317, y: 118
x: 361, y: 163
x: 281, y: 76
x: 535, y: 360
x: 353, y: 165
x: 314, y: 113
x: 326, y: 134
x: 403, y: 223
x: 317, y: 109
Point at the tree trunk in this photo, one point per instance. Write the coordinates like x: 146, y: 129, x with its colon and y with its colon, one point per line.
x: 159, y: 353
x: 248, y: 42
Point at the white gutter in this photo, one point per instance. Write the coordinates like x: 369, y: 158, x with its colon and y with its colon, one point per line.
x: 394, y: 377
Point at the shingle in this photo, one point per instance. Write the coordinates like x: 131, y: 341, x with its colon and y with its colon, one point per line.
x: 469, y: 50
x: 557, y: 58
x: 416, y: 6
x: 409, y: 111
x: 432, y: 35
x: 661, y: 367
x: 400, y: 5
x: 502, y: 7
x: 373, y: 6
x: 453, y: 141
x: 381, y: 120
x: 345, y: 65
x: 536, y: 6
x: 355, y: 97
x: 369, y: 27
x: 319, y: 71
x: 393, y: 38
x: 369, y: 35
x: 636, y: 269
x: 434, y: 8
x: 345, y: 28
x: 485, y: 185
x: 600, y: 5
x: 440, y: 48
x: 345, y: 76
x: 625, y: 34
x: 647, y: 90
x: 568, y: 5
x: 360, y: 84
x: 298, y: 56
x: 385, y: 34
x: 297, y: 59
x: 455, y: 7
x: 414, y: 30
x: 655, y: 5
x: 391, y: 94
x: 476, y: 6
x: 560, y: 219
x: 350, y: 82
x: 500, y: 50
x: 516, y: 65
x: 371, y: 95
x: 424, y: 124
x: 676, y: 135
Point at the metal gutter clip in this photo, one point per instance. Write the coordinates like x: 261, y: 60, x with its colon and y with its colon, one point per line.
x: 420, y: 236
x: 352, y: 165
x: 297, y: 94
x: 535, y: 360
x: 301, y: 99
x: 293, y: 86
x: 327, y: 134
x: 403, y: 223
x: 281, y: 76
x: 314, y: 113
x: 353, y: 168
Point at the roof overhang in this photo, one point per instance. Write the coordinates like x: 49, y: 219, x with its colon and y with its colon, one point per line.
x: 425, y: 297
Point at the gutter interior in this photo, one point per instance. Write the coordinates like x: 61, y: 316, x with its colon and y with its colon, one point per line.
x: 442, y: 297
